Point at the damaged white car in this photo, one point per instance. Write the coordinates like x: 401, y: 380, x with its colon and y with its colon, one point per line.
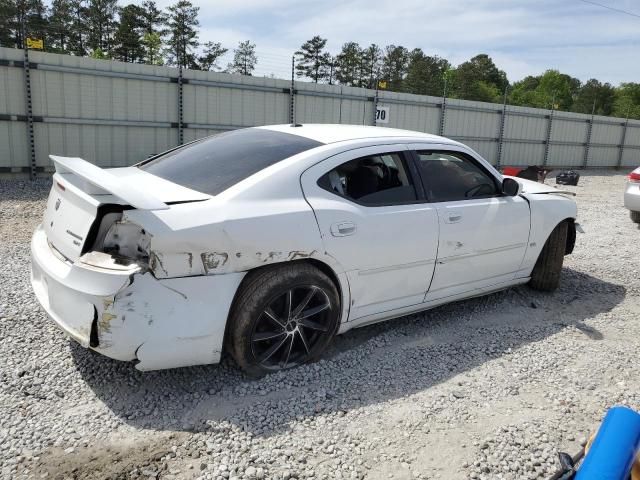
x: 268, y: 241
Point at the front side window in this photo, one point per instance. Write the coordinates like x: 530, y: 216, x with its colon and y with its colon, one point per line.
x: 452, y: 176
x: 215, y: 163
x: 374, y: 180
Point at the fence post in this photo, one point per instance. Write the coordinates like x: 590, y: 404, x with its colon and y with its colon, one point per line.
x: 548, y: 139
x: 292, y: 105
x: 180, y: 107
x: 622, y: 141
x: 375, y: 106
x: 503, y: 120
x: 29, y: 111
x: 585, y: 160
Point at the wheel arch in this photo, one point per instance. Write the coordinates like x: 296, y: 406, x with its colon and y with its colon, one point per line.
x: 339, y: 281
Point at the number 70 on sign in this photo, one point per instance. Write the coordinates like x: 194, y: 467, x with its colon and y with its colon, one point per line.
x: 382, y: 114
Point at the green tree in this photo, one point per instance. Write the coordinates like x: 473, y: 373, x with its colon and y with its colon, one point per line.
x: 19, y: 15
x: 627, y: 101
x: 244, y: 59
x: 183, y: 35
x: 552, y: 89
x: 211, y: 55
x: 479, y: 79
x: 101, y: 23
x: 371, y: 65
x: 593, y: 92
x: 314, y: 62
x: 523, y: 92
x: 128, y: 45
x: 425, y: 74
x: 60, y: 26
x: 348, y: 65
x: 154, y: 25
x: 154, y: 20
x: 394, y: 66
x: 7, y: 24
x: 152, y: 44
x: 98, y: 54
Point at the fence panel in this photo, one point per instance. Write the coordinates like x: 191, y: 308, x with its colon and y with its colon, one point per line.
x: 115, y: 113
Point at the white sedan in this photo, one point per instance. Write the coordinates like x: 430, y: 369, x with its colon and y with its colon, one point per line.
x: 266, y: 242
x: 632, y: 195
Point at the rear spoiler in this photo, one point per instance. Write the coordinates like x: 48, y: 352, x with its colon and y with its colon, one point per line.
x: 107, y: 183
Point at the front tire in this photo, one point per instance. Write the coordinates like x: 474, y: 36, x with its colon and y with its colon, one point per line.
x: 283, y: 316
x: 546, y: 272
x: 635, y: 216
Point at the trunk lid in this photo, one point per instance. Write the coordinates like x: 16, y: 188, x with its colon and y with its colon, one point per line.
x: 80, y: 189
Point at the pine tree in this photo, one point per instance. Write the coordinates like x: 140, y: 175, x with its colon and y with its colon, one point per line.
x: 210, y: 56
x: 425, y: 74
x: 371, y: 65
x: 77, y: 43
x: 244, y: 58
x: 314, y: 62
x: 152, y: 44
x: 128, y: 45
x: 183, y: 21
x: 60, y: 25
x: 348, y: 63
x: 154, y: 27
x: 394, y: 66
x: 101, y: 21
x: 20, y: 17
x: 154, y: 20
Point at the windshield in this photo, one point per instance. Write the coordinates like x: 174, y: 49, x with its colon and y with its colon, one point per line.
x: 215, y: 163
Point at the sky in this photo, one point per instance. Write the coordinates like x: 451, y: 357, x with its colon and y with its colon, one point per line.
x: 524, y: 37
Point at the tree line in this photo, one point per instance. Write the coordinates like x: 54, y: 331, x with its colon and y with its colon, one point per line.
x: 146, y: 34
x: 399, y: 69
x: 130, y: 33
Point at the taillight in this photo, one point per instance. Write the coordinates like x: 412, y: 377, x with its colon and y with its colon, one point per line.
x: 635, y: 176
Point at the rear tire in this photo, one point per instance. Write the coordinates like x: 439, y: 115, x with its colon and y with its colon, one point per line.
x: 546, y: 272
x: 635, y: 216
x: 283, y: 316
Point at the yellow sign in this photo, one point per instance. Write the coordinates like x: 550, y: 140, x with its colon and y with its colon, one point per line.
x: 382, y: 84
x: 35, y: 43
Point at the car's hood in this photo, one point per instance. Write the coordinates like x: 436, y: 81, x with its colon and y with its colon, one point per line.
x: 529, y: 186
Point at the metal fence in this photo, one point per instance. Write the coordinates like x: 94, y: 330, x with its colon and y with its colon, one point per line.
x: 115, y: 114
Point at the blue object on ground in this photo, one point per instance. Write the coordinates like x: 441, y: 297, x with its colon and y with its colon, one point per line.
x: 615, y: 447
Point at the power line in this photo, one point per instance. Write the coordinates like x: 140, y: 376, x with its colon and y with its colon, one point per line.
x: 619, y: 10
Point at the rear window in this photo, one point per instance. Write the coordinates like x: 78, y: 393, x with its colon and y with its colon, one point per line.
x: 215, y: 163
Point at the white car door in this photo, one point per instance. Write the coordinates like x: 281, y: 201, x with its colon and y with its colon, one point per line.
x: 483, y: 233
x: 375, y: 223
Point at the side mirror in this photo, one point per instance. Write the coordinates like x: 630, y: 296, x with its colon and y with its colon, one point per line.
x: 511, y: 187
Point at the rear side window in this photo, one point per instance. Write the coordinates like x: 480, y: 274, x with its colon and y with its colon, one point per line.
x: 376, y: 180
x: 215, y: 163
x: 451, y: 176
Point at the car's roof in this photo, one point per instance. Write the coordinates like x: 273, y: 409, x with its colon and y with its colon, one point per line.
x: 331, y: 133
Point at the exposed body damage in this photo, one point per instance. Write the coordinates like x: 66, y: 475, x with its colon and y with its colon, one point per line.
x: 140, y: 268
x: 129, y: 314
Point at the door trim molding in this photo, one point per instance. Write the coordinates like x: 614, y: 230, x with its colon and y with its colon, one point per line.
x: 402, y: 266
x: 489, y: 251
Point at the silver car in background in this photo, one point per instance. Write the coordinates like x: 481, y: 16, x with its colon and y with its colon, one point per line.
x: 632, y: 195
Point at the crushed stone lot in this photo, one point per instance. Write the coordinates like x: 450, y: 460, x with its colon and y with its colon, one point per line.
x: 489, y: 388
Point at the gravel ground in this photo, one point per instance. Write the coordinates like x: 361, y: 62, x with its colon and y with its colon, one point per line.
x: 487, y: 388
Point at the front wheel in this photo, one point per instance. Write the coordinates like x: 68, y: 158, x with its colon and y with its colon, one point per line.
x: 283, y: 316
x: 635, y: 216
x: 546, y: 272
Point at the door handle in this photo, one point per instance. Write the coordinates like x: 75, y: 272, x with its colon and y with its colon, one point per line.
x: 342, y: 229
x: 454, y: 218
